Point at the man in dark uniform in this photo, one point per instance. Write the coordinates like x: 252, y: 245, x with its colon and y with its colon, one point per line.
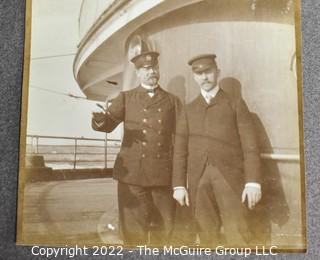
x: 143, y: 166
x: 223, y: 159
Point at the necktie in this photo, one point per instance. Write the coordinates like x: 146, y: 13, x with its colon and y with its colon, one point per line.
x: 150, y: 91
x: 208, y: 98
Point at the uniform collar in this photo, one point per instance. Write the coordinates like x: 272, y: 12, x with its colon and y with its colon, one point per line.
x: 218, y: 94
x: 149, y: 87
x: 213, y: 92
x: 145, y: 99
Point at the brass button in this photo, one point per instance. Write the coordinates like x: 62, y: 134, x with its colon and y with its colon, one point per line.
x: 145, y: 110
x: 158, y: 156
x: 159, y: 121
x: 159, y: 132
x: 144, y: 131
x: 144, y: 120
x: 143, y: 155
x: 144, y: 143
x: 159, y: 144
x: 159, y: 109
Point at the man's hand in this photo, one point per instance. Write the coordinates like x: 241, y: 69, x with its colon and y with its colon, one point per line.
x: 99, y: 113
x: 181, y: 195
x: 253, y: 195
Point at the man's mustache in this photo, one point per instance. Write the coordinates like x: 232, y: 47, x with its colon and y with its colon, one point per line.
x: 207, y: 82
x: 153, y: 76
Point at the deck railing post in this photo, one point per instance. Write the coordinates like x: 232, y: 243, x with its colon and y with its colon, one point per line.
x: 32, y: 145
x: 37, y: 144
x: 75, y: 153
x: 106, y: 152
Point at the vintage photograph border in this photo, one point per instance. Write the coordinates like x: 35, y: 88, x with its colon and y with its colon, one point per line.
x: 306, y: 96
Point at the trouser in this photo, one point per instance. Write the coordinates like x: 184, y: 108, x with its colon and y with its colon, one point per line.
x: 146, y: 214
x: 218, y: 207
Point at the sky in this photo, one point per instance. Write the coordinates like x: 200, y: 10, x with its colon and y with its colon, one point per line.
x: 54, y: 39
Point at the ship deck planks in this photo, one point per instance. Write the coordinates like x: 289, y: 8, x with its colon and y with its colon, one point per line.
x: 71, y: 212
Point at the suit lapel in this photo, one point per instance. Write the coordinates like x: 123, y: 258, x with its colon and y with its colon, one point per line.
x: 143, y: 97
x: 201, y: 103
x: 216, y: 99
x: 158, y: 97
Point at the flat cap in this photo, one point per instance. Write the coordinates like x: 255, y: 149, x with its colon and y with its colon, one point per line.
x: 202, y: 62
x: 144, y: 59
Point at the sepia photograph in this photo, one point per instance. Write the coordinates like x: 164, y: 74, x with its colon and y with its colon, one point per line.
x: 162, y: 123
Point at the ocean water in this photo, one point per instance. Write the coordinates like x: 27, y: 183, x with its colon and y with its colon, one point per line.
x: 84, y: 157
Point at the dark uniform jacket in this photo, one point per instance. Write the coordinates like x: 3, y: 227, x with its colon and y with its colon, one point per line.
x: 146, y: 153
x: 221, y: 133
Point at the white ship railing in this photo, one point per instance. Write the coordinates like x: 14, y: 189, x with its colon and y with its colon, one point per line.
x: 103, y: 153
x: 71, y: 152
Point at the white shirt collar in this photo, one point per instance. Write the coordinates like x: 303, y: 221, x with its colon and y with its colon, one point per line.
x: 213, y: 92
x: 148, y: 87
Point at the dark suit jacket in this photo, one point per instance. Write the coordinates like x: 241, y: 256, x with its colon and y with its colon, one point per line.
x: 221, y: 133
x: 147, y: 148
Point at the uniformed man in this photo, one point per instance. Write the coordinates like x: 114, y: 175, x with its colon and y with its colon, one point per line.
x: 223, y: 159
x: 143, y: 166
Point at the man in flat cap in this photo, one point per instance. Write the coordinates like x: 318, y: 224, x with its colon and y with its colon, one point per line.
x: 223, y: 159
x: 143, y: 166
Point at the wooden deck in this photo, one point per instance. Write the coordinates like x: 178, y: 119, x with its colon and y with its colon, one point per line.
x: 85, y: 212
x: 71, y: 212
